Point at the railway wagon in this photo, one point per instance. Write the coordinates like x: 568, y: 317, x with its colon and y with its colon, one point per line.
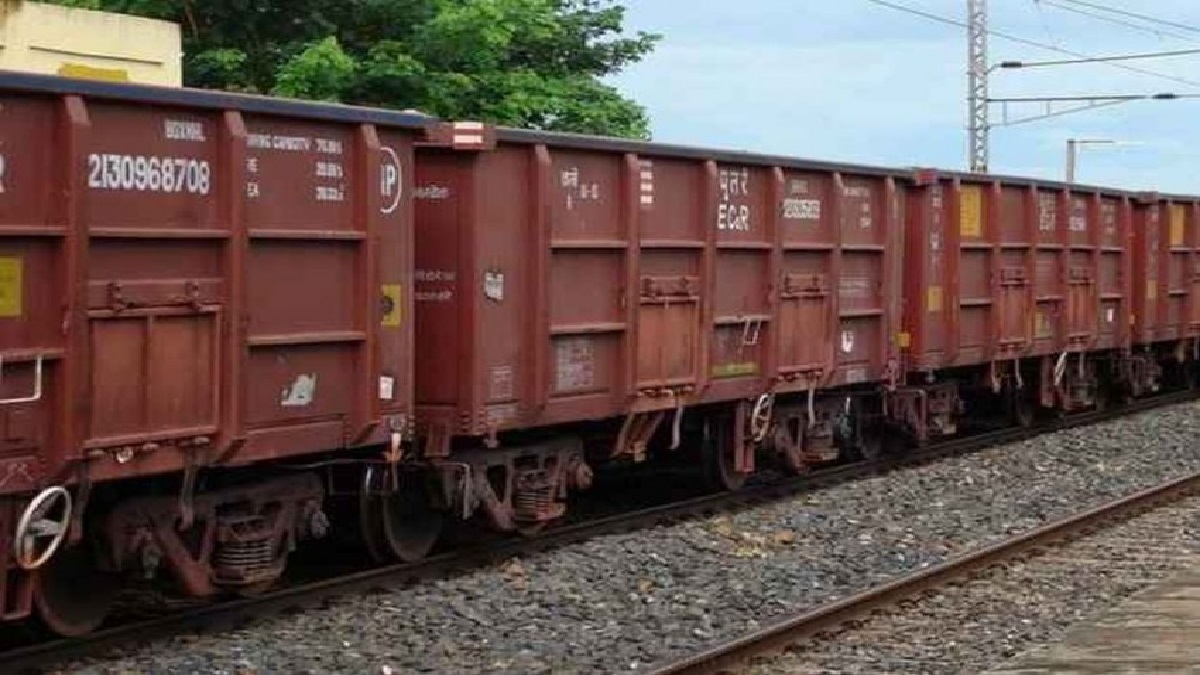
x: 1039, y: 295
x: 1166, y: 290
x: 1014, y: 287
x: 194, y: 289
x: 601, y: 300
x: 230, y: 323
x: 595, y: 300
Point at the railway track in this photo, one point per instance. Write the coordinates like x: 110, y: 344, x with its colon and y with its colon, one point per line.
x: 880, y: 629
x: 986, y: 620
x: 300, y: 596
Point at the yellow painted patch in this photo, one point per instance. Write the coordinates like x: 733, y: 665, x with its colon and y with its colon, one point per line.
x: 933, y: 299
x: 904, y: 340
x: 1043, y: 329
x: 391, y: 304
x: 86, y: 72
x: 12, y: 287
x: 1178, y: 220
x: 735, y: 369
x: 970, y: 216
x: 1152, y: 289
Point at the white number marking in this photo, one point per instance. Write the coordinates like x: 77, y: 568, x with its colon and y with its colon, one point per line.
x: 801, y: 209
x: 156, y: 174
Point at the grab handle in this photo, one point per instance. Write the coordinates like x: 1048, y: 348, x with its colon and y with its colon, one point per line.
x: 37, y: 383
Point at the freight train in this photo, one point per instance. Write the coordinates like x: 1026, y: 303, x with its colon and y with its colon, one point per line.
x: 231, y: 325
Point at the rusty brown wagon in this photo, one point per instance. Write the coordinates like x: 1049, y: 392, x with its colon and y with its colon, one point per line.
x: 229, y: 324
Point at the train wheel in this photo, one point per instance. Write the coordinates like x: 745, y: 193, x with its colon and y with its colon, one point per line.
x: 400, y: 524
x: 72, y: 596
x: 370, y: 515
x: 720, y: 454
x: 412, y: 525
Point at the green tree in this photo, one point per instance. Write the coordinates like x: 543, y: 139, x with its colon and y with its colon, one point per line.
x: 527, y: 63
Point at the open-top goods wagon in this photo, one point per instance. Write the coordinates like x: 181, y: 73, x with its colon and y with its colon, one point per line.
x: 606, y: 300
x: 1042, y: 294
x: 192, y: 286
x: 1022, y: 286
x: 668, y: 297
x: 1166, y: 288
x: 229, y: 324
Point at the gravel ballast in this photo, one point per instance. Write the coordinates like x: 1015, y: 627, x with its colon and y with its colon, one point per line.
x: 972, y: 626
x: 619, y: 603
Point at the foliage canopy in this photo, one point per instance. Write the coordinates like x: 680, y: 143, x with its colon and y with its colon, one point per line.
x: 527, y: 63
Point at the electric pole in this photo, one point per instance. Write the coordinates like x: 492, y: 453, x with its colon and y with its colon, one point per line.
x: 977, y: 85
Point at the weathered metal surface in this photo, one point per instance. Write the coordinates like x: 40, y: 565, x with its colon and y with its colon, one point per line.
x: 201, y: 281
x: 228, y: 538
x: 1167, y: 273
x: 998, y: 270
x: 573, y: 283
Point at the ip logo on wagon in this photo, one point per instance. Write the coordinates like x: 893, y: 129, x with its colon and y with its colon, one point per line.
x: 390, y: 175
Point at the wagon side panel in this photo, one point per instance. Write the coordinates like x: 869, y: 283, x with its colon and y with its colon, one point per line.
x: 584, y: 212
x: 808, y: 289
x: 974, y: 263
x: 743, y: 228
x: 867, y: 222
x: 1048, y: 271
x: 39, y: 197
x: 1111, y: 257
x: 928, y: 287
x: 1012, y: 279
x: 443, y: 200
x: 155, y: 284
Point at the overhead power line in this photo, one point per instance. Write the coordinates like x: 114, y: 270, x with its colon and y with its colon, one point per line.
x: 1094, y: 97
x: 1032, y: 43
x: 1134, y: 15
x: 1098, y: 59
x: 1116, y: 21
x: 1157, y: 32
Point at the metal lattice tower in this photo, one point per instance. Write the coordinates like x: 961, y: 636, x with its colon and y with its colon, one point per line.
x: 977, y: 85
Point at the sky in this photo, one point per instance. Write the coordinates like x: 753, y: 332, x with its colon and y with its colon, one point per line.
x: 853, y: 81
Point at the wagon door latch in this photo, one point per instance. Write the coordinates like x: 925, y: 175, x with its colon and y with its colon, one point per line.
x: 116, y: 297
x: 194, y: 298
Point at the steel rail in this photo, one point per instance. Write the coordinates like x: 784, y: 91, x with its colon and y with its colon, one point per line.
x: 233, y: 613
x: 731, y: 656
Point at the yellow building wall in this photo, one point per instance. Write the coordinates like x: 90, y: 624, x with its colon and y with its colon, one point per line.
x: 53, y: 40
